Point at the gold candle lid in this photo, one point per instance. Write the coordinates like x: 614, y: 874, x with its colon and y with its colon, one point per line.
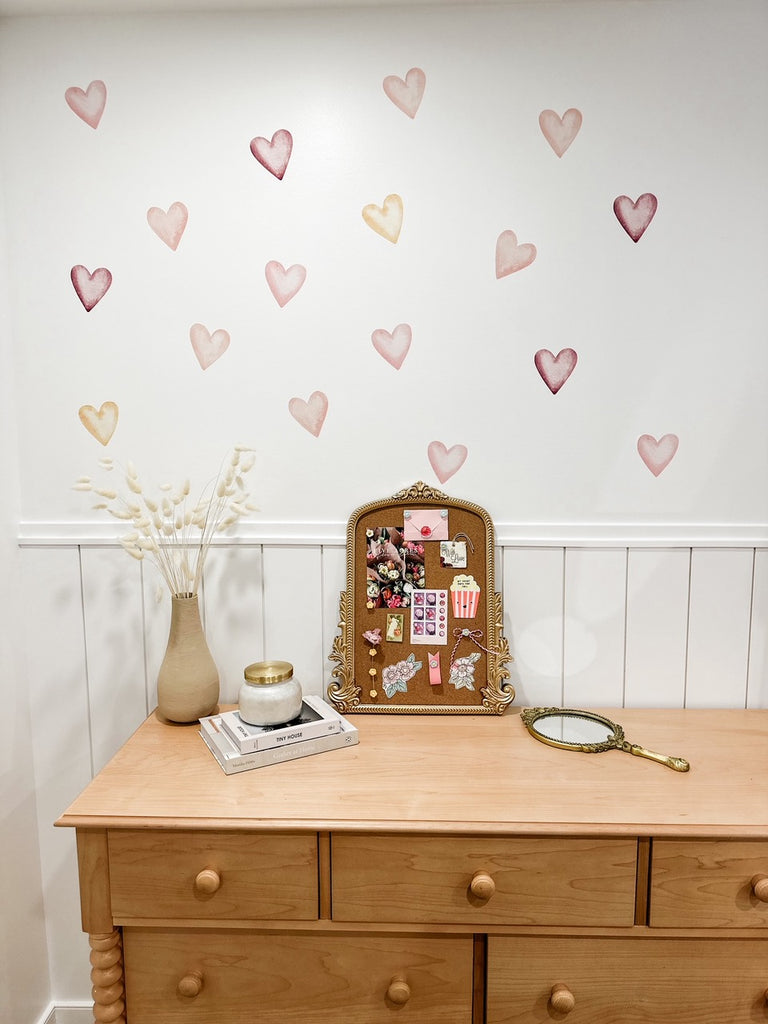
x: 262, y: 673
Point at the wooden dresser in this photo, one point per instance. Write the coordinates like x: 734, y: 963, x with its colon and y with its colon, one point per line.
x: 448, y: 869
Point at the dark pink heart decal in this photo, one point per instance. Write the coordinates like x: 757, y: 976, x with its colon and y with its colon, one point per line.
x: 512, y: 256
x: 284, y: 284
x: 446, y: 461
x: 88, y: 105
x: 393, y: 347
x: 657, y: 455
x: 560, y: 131
x: 90, y: 288
x: 555, y: 369
x: 168, y: 226
x: 274, y: 154
x: 635, y: 217
x: 408, y: 94
x: 311, y: 414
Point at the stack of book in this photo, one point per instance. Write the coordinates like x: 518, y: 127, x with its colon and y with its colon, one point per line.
x: 238, y: 746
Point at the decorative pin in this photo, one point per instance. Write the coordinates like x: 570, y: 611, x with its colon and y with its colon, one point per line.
x: 373, y: 637
x: 435, y: 677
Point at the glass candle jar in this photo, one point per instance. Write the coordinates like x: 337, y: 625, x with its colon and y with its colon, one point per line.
x: 270, y: 693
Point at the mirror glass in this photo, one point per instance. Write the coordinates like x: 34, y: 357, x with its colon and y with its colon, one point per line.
x: 572, y: 729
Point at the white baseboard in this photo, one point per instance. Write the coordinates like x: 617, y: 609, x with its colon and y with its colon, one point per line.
x: 68, y: 1013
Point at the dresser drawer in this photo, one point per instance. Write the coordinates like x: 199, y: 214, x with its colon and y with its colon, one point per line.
x: 213, y: 876
x: 482, y: 881
x: 633, y: 980
x: 709, y: 884
x: 210, y: 975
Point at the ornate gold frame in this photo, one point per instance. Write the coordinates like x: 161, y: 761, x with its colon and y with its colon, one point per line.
x: 345, y: 693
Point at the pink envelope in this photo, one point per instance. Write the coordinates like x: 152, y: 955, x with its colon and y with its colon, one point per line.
x: 422, y: 524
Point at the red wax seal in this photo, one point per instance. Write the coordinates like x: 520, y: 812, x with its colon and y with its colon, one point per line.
x: 426, y: 531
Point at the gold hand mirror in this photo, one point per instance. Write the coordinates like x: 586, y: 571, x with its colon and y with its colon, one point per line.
x: 589, y: 732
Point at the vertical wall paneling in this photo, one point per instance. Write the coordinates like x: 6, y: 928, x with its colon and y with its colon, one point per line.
x: 61, y: 743
x: 657, y: 626
x: 757, y: 685
x: 156, y: 602
x: 234, y: 612
x: 334, y: 572
x: 718, y: 640
x: 594, y: 626
x: 114, y: 632
x: 293, y: 621
x: 531, y: 582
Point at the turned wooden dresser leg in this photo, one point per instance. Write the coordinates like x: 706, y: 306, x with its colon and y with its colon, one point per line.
x: 107, y: 977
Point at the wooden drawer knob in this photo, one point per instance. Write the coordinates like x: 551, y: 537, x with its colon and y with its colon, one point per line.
x: 561, y: 999
x: 399, y: 991
x: 191, y: 985
x: 207, y: 881
x: 760, y: 887
x: 482, y: 885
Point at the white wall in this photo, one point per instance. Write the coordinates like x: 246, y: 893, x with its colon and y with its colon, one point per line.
x: 621, y: 587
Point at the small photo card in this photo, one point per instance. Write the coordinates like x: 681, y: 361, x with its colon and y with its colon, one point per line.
x: 429, y: 617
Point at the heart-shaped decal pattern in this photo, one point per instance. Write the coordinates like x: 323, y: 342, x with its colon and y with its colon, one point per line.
x: 90, y: 287
x: 510, y: 256
x: 275, y: 153
x: 393, y: 347
x: 555, y: 369
x: 310, y: 415
x: 408, y: 94
x: 99, y: 422
x: 284, y: 283
x: 88, y: 105
x: 635, y: 217
x: 446, y: 461
x: 386, y: 220
x: 208, y: 347
x: 560, y: 131
x: 169, y: 227
x: 657, y: 455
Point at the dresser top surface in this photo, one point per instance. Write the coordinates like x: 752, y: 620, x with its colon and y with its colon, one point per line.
x: 446, y: 773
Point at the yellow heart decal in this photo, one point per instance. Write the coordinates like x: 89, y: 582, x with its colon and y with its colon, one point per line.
x: 102, y: 422
x: 385, y: 220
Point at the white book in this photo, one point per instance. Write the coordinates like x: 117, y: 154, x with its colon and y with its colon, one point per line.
x: 315, y: 719
x: 231, y: 760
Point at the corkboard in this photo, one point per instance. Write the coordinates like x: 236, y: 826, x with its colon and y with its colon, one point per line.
x: 420, y: 623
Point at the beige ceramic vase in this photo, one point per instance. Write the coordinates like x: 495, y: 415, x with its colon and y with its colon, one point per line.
x: 188, y: 680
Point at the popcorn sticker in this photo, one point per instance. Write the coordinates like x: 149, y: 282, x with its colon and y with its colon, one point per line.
x: 465, y: 596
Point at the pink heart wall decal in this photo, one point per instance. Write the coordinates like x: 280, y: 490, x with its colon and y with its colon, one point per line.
x: 560, y: 131
x: 169, y: 227
x: 275, y: 153
x: 90, y: 287
x: 635, y: 217
x: 408, y: 94
x: 89, y: 104
x: 284, y: 283
x: 511, y: 256
x: 101, y: 423
x: 393, y: 347
x: 657, y: 455
x: 386, y: 220
x: 310, y: 415
x: 446, y: 461
x: 208, y: 347
x: 555, y: 369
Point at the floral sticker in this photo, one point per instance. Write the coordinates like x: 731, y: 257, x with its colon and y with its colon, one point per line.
x: 396, y: 677
x: 463, y: 671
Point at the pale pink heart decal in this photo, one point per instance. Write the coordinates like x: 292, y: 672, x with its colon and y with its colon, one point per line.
x: 284, y: 283
x: 275, y: 153
x: 101, y: 423
x: 635, y: 217
x: 511, y: 256
x: 88, y: 105
x: 169, y: 227
x: 208, y: 347
x: 90, y: 287
x: 446, y: 461
x: 657, y: 455
x: 386, y: 220
x: 560, y: 131
x: 310, y: 415
x: 393, y: 347
x: 555, y: 369
x: 408, y: 94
